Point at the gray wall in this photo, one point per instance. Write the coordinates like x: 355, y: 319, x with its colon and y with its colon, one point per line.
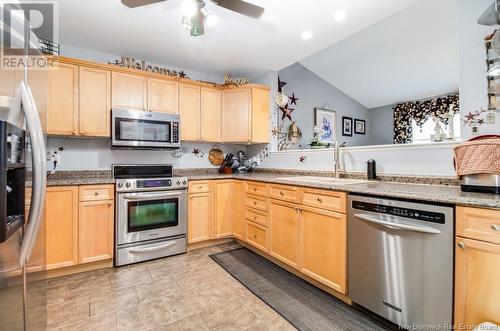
x: 381, y: 125
x: 312, y: 92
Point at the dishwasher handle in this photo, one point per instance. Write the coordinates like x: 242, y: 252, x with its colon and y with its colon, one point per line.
x: 398, y: 226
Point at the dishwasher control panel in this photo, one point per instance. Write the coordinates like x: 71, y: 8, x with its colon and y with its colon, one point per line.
x: 421, y: 215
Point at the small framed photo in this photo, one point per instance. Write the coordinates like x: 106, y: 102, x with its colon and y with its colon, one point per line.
x: 347, y: 126
x: 326, y: 121
x: 359, y: 126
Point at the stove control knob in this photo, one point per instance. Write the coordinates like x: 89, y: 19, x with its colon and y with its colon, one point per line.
x: 128, y: 184
x: 120, y: 185
x: 178, y: 182
x: 184, y: 182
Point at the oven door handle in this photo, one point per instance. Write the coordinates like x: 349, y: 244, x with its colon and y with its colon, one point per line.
x: 151, y: 249
x: 398, y: 226
x: 150, y: 196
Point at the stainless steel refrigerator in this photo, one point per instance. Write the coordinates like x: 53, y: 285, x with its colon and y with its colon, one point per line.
x: 23, y: 288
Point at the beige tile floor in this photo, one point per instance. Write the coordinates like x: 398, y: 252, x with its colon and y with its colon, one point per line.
x: 184, y: 292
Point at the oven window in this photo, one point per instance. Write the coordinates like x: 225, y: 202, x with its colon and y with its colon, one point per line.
x: 153, y: 214
x: 142, y: 130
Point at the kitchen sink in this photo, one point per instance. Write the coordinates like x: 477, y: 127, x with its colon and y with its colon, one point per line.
x: 326, y: 180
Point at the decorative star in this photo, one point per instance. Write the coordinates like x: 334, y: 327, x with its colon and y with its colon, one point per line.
x: 287, y: 112
x: 293, y: 99
x: 302, y: 158
x: 182, y: 74
x: 470, y: 116
x: 480, y: 121
x: 280, y: 84
x: 196, y: 151
x: 60, y: 148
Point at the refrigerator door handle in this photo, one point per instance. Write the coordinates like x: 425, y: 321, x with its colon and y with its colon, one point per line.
x: 39, y: 178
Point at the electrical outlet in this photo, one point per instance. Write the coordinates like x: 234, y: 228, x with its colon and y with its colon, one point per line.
x: 490, y: 118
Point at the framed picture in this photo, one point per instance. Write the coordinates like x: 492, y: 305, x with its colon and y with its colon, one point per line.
x: 326, y: 121
x: 359, y: 126
x: 347, y: 126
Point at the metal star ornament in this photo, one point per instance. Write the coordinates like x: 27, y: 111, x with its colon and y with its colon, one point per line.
x: 287, y: 112
x: 182, y: 74
x: 302, y: 159
x: 281, y: 84
x: 293, y: 99
x: 60, y: 148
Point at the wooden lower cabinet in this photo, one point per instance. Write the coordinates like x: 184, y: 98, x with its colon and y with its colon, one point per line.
x: 95, y: 230
x: 61, y: 227
x: 200, y: 217
x: 323, y: 247
x: 238, y: 209
x: 223, y: 208
x: 284, y: 232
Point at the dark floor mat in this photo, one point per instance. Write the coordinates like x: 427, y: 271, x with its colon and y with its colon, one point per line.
x: 300, y: 303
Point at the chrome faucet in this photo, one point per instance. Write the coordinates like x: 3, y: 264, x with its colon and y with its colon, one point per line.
x: 336, y: 156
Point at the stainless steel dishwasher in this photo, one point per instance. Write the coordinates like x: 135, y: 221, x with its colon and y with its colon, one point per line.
x: 401, y: 260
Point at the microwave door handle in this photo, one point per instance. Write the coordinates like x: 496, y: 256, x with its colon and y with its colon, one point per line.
x: 39, y: 179
x: 398, y: 226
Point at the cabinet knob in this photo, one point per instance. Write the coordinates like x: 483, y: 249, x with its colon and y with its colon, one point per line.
x: 254, y: 236
x: 96, y: 193
x: 495, y: 227
x: 110, y: 203
x: 281, y: 193
x: 255, y: 202
x: 320, y: 200
x: 82, y: 132
x: 461, y: 245
x: 74, y: 132
x: 200, y: 187
x: 254, y: 217
x: 254, y: 188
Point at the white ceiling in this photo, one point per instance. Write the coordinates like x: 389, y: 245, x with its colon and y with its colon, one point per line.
x: 410, y: 56
x: 237, y: 44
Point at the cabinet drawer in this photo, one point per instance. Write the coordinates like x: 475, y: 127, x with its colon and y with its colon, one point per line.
x: 256, y: 217
x: 257, y: 236
x: 257, y: 188
x: 335, y: 201
x: 199, y: 187
x: 256, y: 202
x: 96, y: 192
x: 478, y: 223
x: 283, y: 192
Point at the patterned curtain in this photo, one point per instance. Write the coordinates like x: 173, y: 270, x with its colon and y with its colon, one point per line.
x: 420, y: 111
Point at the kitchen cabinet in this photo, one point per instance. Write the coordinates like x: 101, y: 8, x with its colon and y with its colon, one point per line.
x: 260, y: 116
x: 189, y: 110
x: 9, y: 81
x: 94, y: 102
x: 323, y: 248
x: 163, y: 96
x: 238, y: 211
x: 257, y: 236
x: 199, y: 217
x: 95, y: 223
x: 223, y: 208
x: 129, y: 91
x: 477, y: 266
x: 36, y: 261
x: 284, y: 232
x: 211, y: 109
x: 61, y: 226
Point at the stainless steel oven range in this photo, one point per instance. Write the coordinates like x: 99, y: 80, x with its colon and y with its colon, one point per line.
x: 151, y: 213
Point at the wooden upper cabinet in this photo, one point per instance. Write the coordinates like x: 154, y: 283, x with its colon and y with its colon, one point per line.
x: 95, y: 102
x: 61, y: 226
x: 477, y: 285
x: 323, y: 248
x: 95, y: 230
x: 129, y: 91
x: 62, y: 100
x: 223, y: 208
x: 211, y: 108
x: 236, y: 106
x: 9, y: 81
x: 285, y: 231
x: 260, y: 116
x: 189, y: 109
x: 163, y: 96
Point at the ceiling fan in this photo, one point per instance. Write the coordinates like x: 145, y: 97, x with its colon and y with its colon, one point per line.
x: 196, y: 15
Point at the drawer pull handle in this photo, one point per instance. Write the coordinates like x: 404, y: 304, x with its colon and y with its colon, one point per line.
x: 254, y: 217
x: 281, y: 193
x: 254, y: 188
x: 461, y: 245
x: 320, y: 200
x: 96, y: 193
x: 254, y: 236
x: 200, y: 187
x: 495, y: 227
x: 110, y: 203
x: 255, y: 202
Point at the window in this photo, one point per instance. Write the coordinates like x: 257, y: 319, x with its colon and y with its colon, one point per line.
x: 423, y: 134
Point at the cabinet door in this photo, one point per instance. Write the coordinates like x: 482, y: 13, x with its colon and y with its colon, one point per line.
x: 238, y: 209
x: 284, y: 232
x: 477, y: 286
x: 199, y: 217
x: 236, y: 107
x: 9, y: 81
x: 96, y: 230
x: 223, y: 208
x: 95, y: 102
x: 189, y: 109
x: 323, y: 247
x: 260, y: 116
x: 62, y: 105
x: 210, y: 114
x: 129, y: 91
x: 163, y: 96
x: 61, y: 226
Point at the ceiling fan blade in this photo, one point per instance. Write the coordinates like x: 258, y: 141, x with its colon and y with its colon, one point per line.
x: 241, y: 7
x: 139, y: 3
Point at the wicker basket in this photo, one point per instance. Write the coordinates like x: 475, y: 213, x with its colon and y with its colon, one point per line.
x: 478, y: 156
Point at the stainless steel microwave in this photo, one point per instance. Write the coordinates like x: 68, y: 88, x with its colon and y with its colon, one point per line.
x: 136, y: 129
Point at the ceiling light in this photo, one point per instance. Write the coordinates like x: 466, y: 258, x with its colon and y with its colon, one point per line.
x: 189, y: 8
x: 306, y: 35
x: 339, y: 16
x: 211, y: 20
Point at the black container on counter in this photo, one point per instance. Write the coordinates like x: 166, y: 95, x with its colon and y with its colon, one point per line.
x: 371, y: 169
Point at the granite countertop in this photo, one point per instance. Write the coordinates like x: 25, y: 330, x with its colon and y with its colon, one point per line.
x: 387, y: 187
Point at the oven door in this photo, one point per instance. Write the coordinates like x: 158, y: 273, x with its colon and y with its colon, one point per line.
x: 150, y: 215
